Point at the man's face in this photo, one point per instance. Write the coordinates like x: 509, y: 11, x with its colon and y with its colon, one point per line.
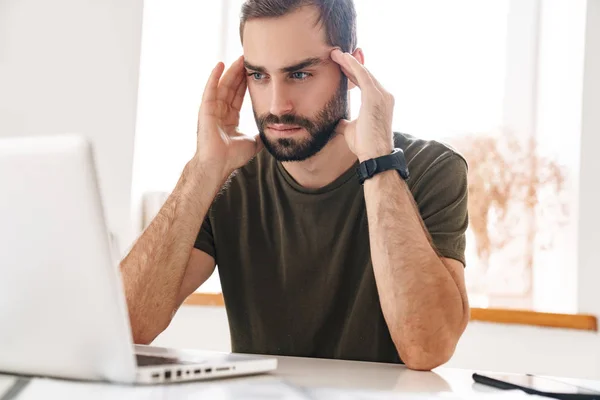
x: 298, y: 93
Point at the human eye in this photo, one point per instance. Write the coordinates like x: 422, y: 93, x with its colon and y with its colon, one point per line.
x: 300, y: 76
x: 257, y: 76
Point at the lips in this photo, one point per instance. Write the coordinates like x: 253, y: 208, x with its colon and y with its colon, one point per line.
x: 282, y: 130
x: 283, y: 127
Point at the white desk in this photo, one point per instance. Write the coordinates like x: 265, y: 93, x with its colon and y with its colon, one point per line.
x: 295, y: 378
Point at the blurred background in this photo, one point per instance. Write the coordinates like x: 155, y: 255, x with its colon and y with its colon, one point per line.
x: 514, y: 85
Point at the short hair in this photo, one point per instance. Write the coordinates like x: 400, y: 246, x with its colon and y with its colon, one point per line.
x: 337, y: 16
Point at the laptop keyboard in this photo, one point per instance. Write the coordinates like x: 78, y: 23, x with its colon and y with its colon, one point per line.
x: 146, y: 361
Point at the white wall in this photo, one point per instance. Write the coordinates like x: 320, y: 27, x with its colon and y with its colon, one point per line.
x: 175, y: 63
x: 72, y: 66
x: 527, y: 349
x: 589, y: 197
x: 556, y: 120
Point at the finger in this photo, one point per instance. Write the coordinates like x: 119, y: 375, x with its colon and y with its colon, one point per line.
x: 355, y: 71
x: 365, y: 82
x: 238, y: 100
x: 375, y: 81
x: 210, y: 90
x: 338, y: 57
x: 350, y: 77
x: 230, y: 81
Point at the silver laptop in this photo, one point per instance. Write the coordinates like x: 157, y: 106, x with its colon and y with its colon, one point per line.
x: 62, y: 308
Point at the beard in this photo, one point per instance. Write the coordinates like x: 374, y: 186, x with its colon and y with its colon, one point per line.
x: 321, y: 128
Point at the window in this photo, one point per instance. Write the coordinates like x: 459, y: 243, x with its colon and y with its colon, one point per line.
x: 481, y: 76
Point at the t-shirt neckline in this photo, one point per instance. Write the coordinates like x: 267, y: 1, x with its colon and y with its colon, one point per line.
x: 339, y: 181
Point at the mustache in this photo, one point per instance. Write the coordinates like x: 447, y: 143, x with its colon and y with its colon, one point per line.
x: 287, y: 119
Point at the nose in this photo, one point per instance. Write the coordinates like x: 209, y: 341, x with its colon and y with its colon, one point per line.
x: 281, y: 102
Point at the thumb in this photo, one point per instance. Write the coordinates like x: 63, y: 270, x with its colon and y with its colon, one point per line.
x: 255, y: 140
x: 245, y: 148
x: 344, y: 127
x: 259, y: 143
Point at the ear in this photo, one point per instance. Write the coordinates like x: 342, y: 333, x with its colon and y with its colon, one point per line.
x: 360, y: 57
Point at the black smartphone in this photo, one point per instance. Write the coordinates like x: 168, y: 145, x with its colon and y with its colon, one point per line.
x: 537, y: 385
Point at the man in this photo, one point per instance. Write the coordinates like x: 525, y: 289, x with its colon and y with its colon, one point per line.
x: 312, y: 261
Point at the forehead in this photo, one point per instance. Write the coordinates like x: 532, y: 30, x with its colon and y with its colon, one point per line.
x: 280, y: 41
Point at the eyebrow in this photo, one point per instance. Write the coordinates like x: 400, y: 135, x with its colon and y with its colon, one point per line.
x: 309, y: 62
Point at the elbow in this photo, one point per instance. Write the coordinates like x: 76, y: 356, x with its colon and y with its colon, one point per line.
x: 426, y: 361
x: 144, y: 333
x: 141, y: 337
x: 427, y: 356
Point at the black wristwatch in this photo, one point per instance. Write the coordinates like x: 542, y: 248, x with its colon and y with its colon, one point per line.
x: 369, y: 168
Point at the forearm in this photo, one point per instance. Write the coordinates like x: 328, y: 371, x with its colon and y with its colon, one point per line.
x: 154, y: 269
x: 424, y: 308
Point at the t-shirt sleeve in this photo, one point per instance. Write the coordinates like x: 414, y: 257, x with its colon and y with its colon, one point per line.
x: 205, y: 240
x: 441, y: 194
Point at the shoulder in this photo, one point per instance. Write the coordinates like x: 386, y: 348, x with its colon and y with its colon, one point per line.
x: 245, y: 181
x: 256, y: 170
x: 430, y: 158
x: 425, y: 152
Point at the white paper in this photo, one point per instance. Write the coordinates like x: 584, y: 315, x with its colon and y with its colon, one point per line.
x: 267, y: 389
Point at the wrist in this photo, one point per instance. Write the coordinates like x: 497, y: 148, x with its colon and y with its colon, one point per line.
x: 377, y: 149
x: 206, y: 171
x: 384, y: 151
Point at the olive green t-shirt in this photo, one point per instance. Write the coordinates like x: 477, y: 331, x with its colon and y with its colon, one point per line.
x: 295, y: 263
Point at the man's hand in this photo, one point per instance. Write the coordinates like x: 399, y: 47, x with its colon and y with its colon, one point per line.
x: 220, y: 145
x: 370, y: 135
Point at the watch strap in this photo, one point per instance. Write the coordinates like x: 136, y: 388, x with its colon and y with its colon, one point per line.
x: 369, y: 168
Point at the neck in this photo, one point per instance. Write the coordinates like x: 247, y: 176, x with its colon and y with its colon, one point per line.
x: 325, y: 166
